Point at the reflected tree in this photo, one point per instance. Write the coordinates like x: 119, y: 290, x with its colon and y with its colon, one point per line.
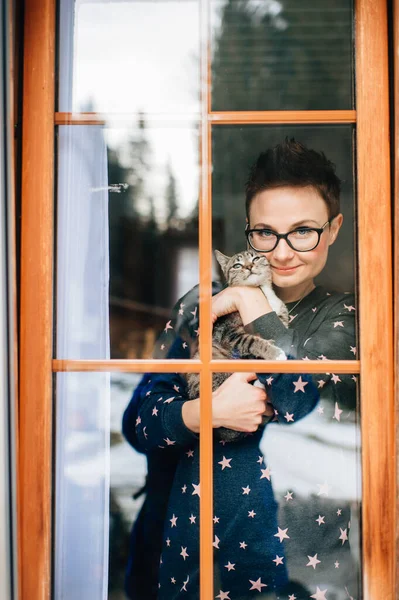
x: 277, y: 56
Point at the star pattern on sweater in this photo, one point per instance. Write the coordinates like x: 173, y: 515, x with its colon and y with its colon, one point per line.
x: 223, y: 595
x: 184, y: 553
x: 173, y: 520
x: 337, y: 412
x: 242, y: 487
x: 282, y: 534
x: 225, y: 463
x: 169, y: 442
x: 320, y: 594
x: 168, y: 326
x: 299, y: 385
x: 313, y: 561
x: 344, y: 535
x: 257, y: 585
x: 266, y: 473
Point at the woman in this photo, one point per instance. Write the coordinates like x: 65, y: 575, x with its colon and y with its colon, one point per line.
x: 292, y: 202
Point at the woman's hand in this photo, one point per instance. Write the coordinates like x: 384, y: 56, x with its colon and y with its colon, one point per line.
x: 250, y: 302
x: 238, y: 405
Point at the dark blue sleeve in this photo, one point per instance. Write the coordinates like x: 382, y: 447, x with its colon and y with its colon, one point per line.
x: 292, y: 396
x: 131, y: 413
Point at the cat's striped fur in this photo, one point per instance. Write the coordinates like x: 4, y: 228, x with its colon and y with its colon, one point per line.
x: 229, y: 339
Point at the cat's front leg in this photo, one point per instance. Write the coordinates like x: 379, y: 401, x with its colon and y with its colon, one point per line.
x: 276, y: 304
x: 266, y: 349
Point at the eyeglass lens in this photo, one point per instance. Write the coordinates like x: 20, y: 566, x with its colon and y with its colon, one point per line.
x: 301, y: 240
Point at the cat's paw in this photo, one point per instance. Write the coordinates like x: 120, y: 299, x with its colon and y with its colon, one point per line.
x: 281, y: 356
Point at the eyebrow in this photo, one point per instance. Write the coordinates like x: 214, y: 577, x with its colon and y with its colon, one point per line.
x: 293, y: 226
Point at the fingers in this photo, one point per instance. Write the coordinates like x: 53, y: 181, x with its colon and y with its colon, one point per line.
x: 246, y: 376
x: 269, y: 410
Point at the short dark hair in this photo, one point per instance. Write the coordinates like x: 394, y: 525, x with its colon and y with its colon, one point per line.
x: 293, y: 164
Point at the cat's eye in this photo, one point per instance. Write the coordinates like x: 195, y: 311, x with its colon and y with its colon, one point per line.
x: 237, y: 266
x: 256, y: 258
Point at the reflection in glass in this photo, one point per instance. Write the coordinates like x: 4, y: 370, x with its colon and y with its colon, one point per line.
x: 126, y: 219
x: 316, y: 477
x: 128, y: 470
x: 287, y: 498
x: 81, y: 512
x: 164, y: 544
x: 153, y: 198
x: 281, y: 55
x: 235, y: 149
x: 125, y: 57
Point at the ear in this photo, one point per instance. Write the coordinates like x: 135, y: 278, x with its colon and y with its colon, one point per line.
x: 335, y: 226
x: 222, y: 260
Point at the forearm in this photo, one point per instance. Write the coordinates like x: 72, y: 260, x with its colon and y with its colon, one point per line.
x: 191, y: 415
x: 252, y: 304
x: 160, y: 422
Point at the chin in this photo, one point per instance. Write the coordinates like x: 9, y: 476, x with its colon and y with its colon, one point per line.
x: 287, y: 282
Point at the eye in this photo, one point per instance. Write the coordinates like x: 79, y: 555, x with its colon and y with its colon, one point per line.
x: 265, y: 233
x: 303, y: 232
x: 237, y: 266
x: 255, y: 258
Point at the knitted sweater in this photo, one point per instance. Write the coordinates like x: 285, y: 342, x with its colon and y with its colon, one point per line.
x: 249, y: 540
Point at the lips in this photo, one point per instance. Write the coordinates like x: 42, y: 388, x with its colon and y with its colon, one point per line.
x: 286, y: 270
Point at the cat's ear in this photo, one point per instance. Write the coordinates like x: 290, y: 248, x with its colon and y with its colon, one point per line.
x: 222, y: 260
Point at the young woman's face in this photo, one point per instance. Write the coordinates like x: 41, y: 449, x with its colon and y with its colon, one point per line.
x: 282, y: 210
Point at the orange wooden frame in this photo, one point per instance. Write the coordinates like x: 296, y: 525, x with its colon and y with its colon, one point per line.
x: 35, y: 399
x: 376, y: 362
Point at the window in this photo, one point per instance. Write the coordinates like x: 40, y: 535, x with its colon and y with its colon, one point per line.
x: 241, y: 117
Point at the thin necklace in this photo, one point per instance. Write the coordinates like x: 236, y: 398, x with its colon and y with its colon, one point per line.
x: 296, y: 304
x: 300, y: 300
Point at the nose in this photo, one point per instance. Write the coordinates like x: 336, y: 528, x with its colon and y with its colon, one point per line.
x: 283, y: 252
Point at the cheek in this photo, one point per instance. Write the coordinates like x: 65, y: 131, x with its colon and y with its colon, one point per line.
x: 318, y: 257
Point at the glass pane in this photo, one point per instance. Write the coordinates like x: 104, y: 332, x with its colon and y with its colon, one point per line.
x: 127, y: 235
x: 126, y: 57
x: 127, y: 488
x: 282, y: 55
x: 288, y: 496
x: 236, y: 149
x: 82, y: 453
x: 163, y: 546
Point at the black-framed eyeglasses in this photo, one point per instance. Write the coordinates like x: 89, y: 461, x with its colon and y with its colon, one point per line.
x: 300, y: 239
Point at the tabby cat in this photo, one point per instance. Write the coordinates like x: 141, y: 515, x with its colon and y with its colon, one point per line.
x: 230, y: 340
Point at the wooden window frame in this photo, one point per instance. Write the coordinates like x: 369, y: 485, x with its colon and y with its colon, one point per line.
x: 376, y: 365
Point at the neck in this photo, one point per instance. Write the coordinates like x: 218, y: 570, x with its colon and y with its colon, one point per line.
x: 295, y: 293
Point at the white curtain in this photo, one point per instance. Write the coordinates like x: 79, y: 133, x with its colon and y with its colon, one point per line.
x: 82, y: 403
